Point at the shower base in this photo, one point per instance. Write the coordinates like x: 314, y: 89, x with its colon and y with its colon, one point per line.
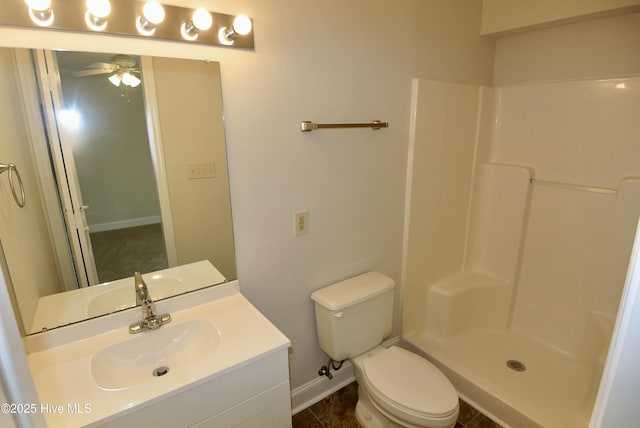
x: 553, y: 390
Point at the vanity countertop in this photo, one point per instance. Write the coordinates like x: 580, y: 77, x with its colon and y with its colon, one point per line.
x: 76, y: 305
x: 71, y: 393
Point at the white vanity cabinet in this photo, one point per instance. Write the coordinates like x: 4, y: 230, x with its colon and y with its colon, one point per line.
x: 256, y: 395
x: 223, y: 365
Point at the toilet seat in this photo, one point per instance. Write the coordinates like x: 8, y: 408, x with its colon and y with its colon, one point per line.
x: 410, y: 388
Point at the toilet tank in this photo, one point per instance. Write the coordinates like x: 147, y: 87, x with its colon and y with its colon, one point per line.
x: 354, y: 315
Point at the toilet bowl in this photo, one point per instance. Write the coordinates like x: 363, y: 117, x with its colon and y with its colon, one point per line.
x: 397, y: 388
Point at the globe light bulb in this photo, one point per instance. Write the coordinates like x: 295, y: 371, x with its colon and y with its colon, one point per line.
x: 202, y: 19
x: 96, y: 15
x: 242, y: 25
x: 99, y: 8
x: 39, y: 5
x: 40, y: 12
x: 153, y: 12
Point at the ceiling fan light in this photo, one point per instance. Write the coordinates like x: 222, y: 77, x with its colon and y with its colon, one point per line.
x: 130, y: 80
x: 115, y: 79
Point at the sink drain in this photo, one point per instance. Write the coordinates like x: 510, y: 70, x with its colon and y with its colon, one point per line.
x: 516, y: 365
x: 161, y: 371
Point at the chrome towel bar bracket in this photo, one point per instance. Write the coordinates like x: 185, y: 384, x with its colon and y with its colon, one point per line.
x: 307, y: 126
x: 13, y: 171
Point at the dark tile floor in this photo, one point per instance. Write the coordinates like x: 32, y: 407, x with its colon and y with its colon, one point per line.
x: 338, y: 411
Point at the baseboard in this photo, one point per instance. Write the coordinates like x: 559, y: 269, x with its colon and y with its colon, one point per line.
x: 313, y: 391
x: 123, y: 224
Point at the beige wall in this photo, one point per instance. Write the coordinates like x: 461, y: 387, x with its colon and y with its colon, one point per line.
x: 600, y: 48
x: 19, y: 227
x: 499, y: 16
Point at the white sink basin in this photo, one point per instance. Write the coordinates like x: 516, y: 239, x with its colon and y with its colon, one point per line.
x: 115, y: 299
x: 168, y: 352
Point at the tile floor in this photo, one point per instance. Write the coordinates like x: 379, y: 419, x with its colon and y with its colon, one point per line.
x: 338, y: 411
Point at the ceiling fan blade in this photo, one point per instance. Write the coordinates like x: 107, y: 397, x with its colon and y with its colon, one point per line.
x: 101, y: 65
x: 92, y: 72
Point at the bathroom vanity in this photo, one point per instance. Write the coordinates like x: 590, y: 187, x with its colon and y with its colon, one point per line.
x: 219, y: 363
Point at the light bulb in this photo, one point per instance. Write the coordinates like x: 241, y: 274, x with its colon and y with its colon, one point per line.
x: 242, y: 25
x: 153, y: 12
x: 99, y: 8
x: 39, y: 5
x: 115, y: 79
x: 96, y: 15
x: 152, y: 15
x: 202, y: 19
x: 40, y: 12
x: 130, y: 80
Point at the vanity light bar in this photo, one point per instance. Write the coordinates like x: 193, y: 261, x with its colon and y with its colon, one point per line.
x: 128, y: 17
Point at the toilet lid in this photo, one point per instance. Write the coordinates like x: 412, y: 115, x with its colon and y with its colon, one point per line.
x: 407, y: 383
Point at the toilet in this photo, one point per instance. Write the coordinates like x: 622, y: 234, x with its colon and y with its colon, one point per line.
x: 397, y: 388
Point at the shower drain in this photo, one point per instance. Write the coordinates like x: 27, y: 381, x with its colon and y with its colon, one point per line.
x: 516, y: 365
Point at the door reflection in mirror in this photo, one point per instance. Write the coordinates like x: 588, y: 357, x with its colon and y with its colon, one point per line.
x: 111, y: 156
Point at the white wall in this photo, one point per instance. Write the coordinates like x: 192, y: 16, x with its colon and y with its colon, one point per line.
x: 330, y: 61
x: 604, y: 47
x: 617, y: 404
x: 499, y: 16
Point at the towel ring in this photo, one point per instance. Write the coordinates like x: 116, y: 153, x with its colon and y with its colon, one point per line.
x: 11, y: 167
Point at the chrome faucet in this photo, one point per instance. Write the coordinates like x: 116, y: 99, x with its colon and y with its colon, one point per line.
x: 150, y: 321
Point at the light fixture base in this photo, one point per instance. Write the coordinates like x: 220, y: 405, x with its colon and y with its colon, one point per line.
x: 122, y: 20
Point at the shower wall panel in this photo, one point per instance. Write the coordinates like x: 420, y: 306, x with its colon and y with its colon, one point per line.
x: 523, y: 203
x: 564, y: 249
x: 583, y: 132
x: 578, y: 240
x: 441, y: 176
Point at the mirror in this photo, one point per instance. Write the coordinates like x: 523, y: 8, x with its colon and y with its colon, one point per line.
x: 123, y: 160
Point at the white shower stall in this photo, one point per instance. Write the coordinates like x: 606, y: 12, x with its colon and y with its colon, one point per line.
x: 522, y: 207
